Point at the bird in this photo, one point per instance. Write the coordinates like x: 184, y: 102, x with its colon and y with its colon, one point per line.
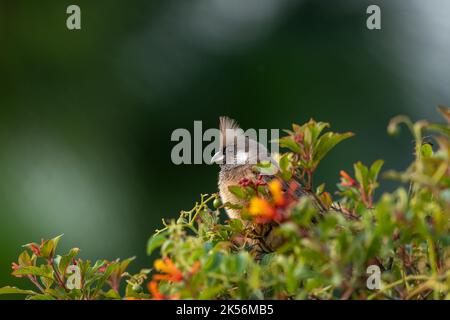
x: 236, y: 158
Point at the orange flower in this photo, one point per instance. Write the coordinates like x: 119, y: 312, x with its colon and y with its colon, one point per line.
x: 277, y: 193
x: 171, y: 271
x: 261, y: 208
x: 346, y: 180
x: 153, y: 288
x: 195, y: 267
x: 157, y: 295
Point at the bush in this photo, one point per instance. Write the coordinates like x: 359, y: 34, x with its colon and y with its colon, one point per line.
x: 330, y: 247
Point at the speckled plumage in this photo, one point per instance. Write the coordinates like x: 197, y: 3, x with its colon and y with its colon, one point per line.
x: 231, y: 177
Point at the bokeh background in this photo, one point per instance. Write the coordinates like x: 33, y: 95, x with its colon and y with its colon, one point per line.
x: 86, y: 116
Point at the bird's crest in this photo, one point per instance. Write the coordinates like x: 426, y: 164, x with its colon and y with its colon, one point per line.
x: 228, y: 128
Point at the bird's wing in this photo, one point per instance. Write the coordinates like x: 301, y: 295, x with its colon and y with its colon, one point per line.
x: 285, y: 186
x: 298, y: 191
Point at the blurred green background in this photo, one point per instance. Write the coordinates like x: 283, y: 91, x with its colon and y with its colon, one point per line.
x: 86, y: 116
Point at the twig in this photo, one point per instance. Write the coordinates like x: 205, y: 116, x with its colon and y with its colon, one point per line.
x: 36, y: 283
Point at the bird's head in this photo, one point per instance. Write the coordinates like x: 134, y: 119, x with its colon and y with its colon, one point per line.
x: 237, y: 149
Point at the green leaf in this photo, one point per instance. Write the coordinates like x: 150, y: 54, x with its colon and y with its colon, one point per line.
x: 14, y: 290
x: 361, y: 174
x: 315, y: 129
x: 124, y: 264
x: 41, y: 297
x: 47, y: 282
x: 65, y: 260
x: 285, y: 167
x: 49, y: 247
x: 41, y: 271
x: 266, y: 168
x: 236, y: 225
x: 213, y: 262
x: 291, y: 281
x: 308, y: 137
x: 327, y: 142
x: 320, y: 189
x: 57, y: 292
x: 296, y: 128
x: 25, y: 259
x: 238, y: 191
x: 112, y: 294
x: 375, y: 169
x: 288, y: 142
x: 211, y: 292
x: 267, y: 259
x: 156, y: 241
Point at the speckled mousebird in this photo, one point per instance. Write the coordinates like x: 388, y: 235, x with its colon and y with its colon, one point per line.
x: 236, y: 159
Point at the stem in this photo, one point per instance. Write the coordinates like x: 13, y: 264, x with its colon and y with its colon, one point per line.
x: 36, y: 283
x: 433, y: 263
x: 432, y: 256
x: 198, y: 207
x: 322, y: 208
x: 57, y: 275
x: 310, y: 180
x: 396, y: 283
x: 421, y: 288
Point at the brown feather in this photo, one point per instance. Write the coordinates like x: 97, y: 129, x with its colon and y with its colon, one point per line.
x: 229, y: 178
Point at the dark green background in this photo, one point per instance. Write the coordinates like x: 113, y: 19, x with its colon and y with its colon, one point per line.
x: 86, y: 116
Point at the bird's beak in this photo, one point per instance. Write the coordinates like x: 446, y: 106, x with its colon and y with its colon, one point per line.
x: 217, y: 158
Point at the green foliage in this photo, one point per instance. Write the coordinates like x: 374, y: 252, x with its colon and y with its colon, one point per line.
x: 52, y: 278
x: 309, y: 146
x: 327, y: 242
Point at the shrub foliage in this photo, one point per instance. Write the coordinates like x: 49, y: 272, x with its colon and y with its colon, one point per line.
x: 329, y: 242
